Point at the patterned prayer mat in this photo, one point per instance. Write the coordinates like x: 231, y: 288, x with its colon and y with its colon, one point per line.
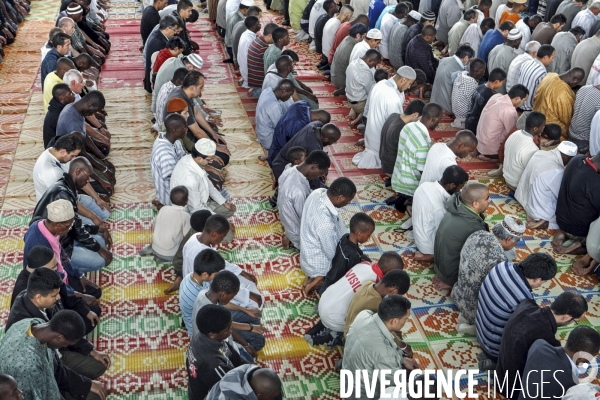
x: 140, y: 327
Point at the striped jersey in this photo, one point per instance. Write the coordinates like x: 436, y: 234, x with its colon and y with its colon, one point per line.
x: 413, y: 147
x: 256, y: 51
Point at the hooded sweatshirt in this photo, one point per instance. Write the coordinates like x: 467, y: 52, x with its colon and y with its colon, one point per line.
x: 235, y: 385
x: 454, y: 230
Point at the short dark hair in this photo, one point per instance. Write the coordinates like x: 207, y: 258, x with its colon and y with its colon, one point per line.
x: 506, y: 26
x: 293, y: 55
x: 209, y: 261
x: 577, y: 31
x: 428, y: 30
x: 42, y: 281
x: 570, y: 303
x: 584, y: 338
x: 397, y: 279
x: 393, y: 305
x: 545, y: 50
x: 269, y: 28
x: 179, y: 74
x: 59, y: 39
x: 475, y: 64
x: 415, y: 106
x: 488, y: 23
x: 192, y: 78
x: 168, y: 21
x: 279, y: 33
x: 175, y: 43
x: 469, y: 14
x: 295, y: 153
x: 283, y: 62
x: 372, y: 54
x: 179, y: 195
x: 59, y: 89
x: 432, y: 110
x: 318, y: 158
x: 401, y: 8
x: 68, y: 324
x: 194, y: 15
x: 380, y: 74
x: 198, y: 219
x: 357, y: 29
x: 558, y: 19
x: 216, y: 223
x: 250, y: 21
x: 534, y: 120
x: 361, y: 222
x: 464, y: 50
x: 225, y: 281
x: 342, y: 187
x: 253, y: 11
x: 497, y: 74
x: 390, y: 260
x: 184, y: 4
x: 519, y: 91
x: 328, y: 4
x: 552, y: 131
x: 538, y: 265
x: 454, y: 174
x: 38, y: 256
x: 69, y: 142
x: 95, y: 98
x: 421, y: 78
x: 212, y: 318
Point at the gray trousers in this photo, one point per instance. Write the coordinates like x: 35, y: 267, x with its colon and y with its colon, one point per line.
x: 87, y: 366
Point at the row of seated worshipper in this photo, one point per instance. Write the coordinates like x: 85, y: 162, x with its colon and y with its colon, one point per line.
x: 12, y: 13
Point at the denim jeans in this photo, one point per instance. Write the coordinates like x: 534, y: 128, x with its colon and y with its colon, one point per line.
x: 256, y: 340
x: 87, y: 260
x: 91, y: 205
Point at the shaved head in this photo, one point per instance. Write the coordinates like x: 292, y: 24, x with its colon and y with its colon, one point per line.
x: 320, y: 115
x: 330, y: 132
x: 265, y: 383
x: 473, y: 192
x: 466, y: 137
x: 80, y: 163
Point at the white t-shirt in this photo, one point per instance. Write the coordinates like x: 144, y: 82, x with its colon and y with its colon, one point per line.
x: 429, y: 207
x: 518, y: 150
x: 438, y: 159
x: 334, y: 303
x: 315, y: 13
x: 46, y: 172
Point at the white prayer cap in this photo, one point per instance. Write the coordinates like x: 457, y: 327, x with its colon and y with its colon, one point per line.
x: 374, y: 34
x: 514, y: 34
x: 206, y: 147
x: 407, y: 72
x: 583, y: 391
x: 60, y: 211
x: 195, y: 60
x: 513, y: 225
x: 247, y: 3
x: 76, y: 9
x: 415, y: 15
x: 568, y: 148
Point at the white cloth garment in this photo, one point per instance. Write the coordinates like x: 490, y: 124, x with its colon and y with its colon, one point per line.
x: 46, y: 171
x: 518, y: 150
x: 189, y: 174
x: 329, y: 31
x: 429, y: 207
x: 245, y: 41
x: 384, y: 100
x: 439, y: 158
x: 315, y: 13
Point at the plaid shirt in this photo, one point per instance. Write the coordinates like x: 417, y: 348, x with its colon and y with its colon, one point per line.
x: 462, y: 91
x: 321, y: 228
x: 419, y: 55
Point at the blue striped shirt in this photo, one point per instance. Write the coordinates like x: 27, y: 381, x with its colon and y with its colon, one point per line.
x: 532, y: 73
x: 501, y: 292
x: 188, y: 291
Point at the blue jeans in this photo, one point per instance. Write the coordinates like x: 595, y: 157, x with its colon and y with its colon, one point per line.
x: 87, y: 260
x: 91, y: 205
x: 256, y: 340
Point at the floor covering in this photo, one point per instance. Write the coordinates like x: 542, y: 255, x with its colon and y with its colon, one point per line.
x: 140, y: 327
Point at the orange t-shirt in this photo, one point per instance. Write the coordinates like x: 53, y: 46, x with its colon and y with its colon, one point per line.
x: 509, y: 16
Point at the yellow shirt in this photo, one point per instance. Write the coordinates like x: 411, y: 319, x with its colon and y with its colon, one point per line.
x: 51, y: 80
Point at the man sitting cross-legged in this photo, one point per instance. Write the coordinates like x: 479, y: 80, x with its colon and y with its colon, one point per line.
x: 247, y: 330
x: 294, y: 189
x: 321, y: 228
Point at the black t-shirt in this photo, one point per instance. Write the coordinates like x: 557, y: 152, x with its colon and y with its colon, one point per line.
x: 347, y: 255
x: 480, y: 98
x: 578, y: 202
x: 390, y: 136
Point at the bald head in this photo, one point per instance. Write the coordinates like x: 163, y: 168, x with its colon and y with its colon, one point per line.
x: 265, y: 384
x: 81, y: 163
x: 284, y: 64
x: 573, y: 77
x: 476, y: 195
x: 175, y: 121
x: 284, y: 89
x: 330, y: 134
x: 320, y: 115
x: 463, y: 143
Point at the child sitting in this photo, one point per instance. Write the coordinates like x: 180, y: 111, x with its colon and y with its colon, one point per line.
x: 247, y: 331
x: 206, y: 265
x: 296, y: 155
x: 171, y: 225
x: 348, y: 252
x: 175, y: 47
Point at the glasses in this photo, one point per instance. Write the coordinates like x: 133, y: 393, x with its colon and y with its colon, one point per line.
x: 68, y: 224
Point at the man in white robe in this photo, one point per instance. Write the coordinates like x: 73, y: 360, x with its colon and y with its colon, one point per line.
x: 386, y: 98
x: 540, y: 183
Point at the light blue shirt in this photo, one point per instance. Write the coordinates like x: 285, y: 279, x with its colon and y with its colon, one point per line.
x: 269, y: 111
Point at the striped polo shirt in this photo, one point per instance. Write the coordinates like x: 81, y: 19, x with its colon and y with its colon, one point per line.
x: 587, y: 102
x: 256, y: 51
x: 501, y: 292
x: 413, y: 147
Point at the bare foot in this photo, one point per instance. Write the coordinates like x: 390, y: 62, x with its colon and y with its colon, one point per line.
x: 423, y: 257
x: 352, y: 114
x: 175, y: 286
x: 439, y: 285
x: 313, y: 285
x: 583, y: 266
x: 558, y: 240
x: 285, y: 242
x: 568, y: 250
x: 263, y: 157
x: 356, y: 120
x: 541, y: 224
x: 361, y: 142
x: 157, y: 204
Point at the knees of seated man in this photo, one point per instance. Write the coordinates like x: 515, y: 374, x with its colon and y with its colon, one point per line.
x: 76, y: 285
x: 85, y: 365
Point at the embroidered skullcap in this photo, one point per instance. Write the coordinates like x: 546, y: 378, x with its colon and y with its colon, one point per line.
x: 513, y: 225
x: 374, y: 34
x: 407, y: 72
x: 206, y: 147
x: 415, y: 15
x: 568, y: 148
x: 60, y: 211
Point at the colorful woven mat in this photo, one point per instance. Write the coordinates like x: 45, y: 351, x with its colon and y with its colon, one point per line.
x: 140, y: 327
